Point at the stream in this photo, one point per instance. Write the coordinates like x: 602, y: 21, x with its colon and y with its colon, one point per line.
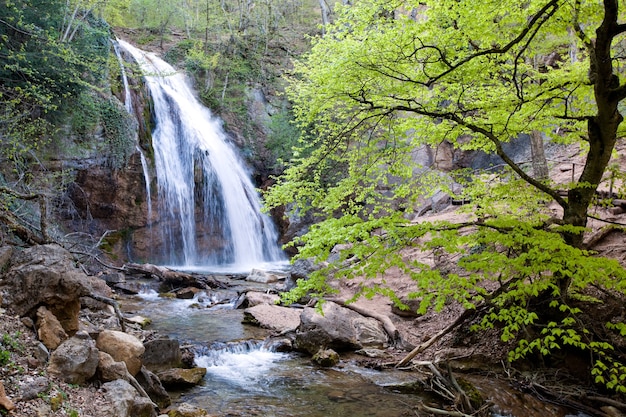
x: 245, y: 377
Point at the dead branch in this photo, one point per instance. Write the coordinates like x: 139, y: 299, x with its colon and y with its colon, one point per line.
x: 389, y: 327
x: 466, y: 315
x: 113, y: 304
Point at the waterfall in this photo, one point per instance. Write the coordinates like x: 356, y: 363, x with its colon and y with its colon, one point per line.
x: 209, y: 210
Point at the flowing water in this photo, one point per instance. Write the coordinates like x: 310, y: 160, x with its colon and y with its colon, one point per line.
x: 210, y: 210
x: 246, y: 377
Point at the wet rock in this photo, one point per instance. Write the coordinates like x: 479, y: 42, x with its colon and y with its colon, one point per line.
x: 126, y: 401
x: 338, y: 328
x: 109, y: 369
x: 5, y: 402
x: 46, y: 275
x: 187, y: 410
x: 75, y: 360
x: 187, y: 293
x: 49, y: 329
x: 177, y: 378
x: 29, y: 390
x: 153, y: 387
x: 254, y: 298
x: 273, y: 317
x: 161, y: 354
x: 326, y: 358
x: 265, y: 277
x: 122, y: 347
x: 129, y: 288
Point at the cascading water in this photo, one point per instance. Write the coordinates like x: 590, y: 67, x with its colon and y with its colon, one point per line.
x: 208, y: 206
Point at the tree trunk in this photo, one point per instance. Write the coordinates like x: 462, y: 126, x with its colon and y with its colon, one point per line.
x: 601, y: 128
x: 538, y: 156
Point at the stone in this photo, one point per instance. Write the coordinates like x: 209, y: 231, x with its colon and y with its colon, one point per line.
x: 187, y: 410
x: 265, y: 277
x: 122, y: 347
x: 153, y: 387
x: 338, y: 328
x: 254, y: 298
x: 109, y: 369
x: 46, y: 275
x: 42, y: 354
x: 177, y: 378
x: 187, y: 293
x: 141, y: 321
x: 126, y: 401
x: 112, y: 278
x: 29, y: 390
x: 49, y: 329
x: 161, y: 354
x: 326, y: 358
x: 273, y: 317
x: 413, y: 306
x: 5, y: 402
x: 75, y: 360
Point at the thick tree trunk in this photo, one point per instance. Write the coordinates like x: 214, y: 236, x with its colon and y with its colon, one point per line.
x: 601, y: 128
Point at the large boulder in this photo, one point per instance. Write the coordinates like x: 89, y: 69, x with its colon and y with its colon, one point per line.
x: 272, y: 317
x: 122, y: 347
x: 126, y: 401
x: 46, y: 275
x: 75, y: 360
x: 161, y: 354
x: 338, y: 328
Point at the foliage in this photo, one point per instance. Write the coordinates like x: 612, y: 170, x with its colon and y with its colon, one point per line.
x: 390, y: 77
x: 283, y: 137
x: 119, y: 130
x: 8, y: 344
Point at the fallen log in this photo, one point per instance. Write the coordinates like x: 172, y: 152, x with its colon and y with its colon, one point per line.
x: 176, y: 279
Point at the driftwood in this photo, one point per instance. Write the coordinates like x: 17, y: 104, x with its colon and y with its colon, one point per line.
x: 389, y: 327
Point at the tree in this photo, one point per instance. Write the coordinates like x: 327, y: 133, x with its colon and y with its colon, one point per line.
x: 391, y: 76
x: 41, y: 69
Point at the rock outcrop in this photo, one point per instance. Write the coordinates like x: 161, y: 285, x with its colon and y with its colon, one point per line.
x: 46, y: 275
x: 338, y: 328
